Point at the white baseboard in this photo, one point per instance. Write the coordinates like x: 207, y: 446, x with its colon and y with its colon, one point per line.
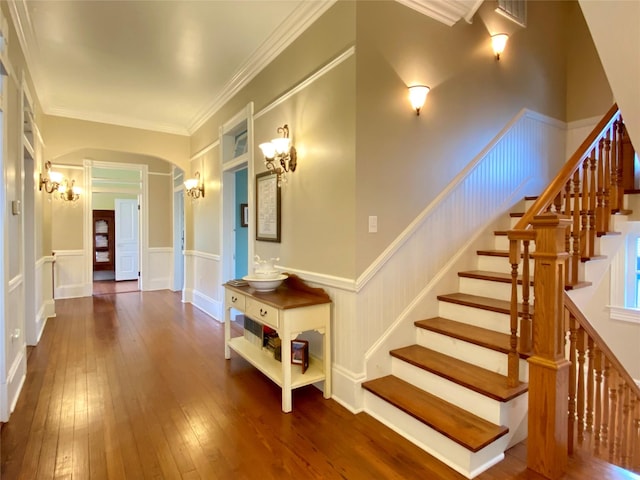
x: 10, y: 391
x: 347, y: 389
x: 72, y: 291
x: 208, y: 305
x: 159, y: 284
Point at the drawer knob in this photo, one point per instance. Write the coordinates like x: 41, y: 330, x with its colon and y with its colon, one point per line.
x: 234, y: 299
x: 263, y: 313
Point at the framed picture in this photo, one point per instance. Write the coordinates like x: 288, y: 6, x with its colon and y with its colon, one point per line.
x: 240, y: 146
x: 300, y: 353
x: 267, y: 208
x: 244, y: 215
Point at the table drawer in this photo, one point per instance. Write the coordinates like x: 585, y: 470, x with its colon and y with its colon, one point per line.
x: 235, y: 300
x: 263, y: 313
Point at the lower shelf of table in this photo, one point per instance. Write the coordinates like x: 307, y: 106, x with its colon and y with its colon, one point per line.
x: 264, y: 361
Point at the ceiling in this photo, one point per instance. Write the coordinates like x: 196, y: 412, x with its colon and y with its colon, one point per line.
x: 163, y: 65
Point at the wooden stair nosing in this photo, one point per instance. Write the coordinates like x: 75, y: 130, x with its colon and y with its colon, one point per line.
x: 482, y: 337
x: 491, y: 276
x: 483, y: 303
x: 478, y: 379
x: 464, y: 428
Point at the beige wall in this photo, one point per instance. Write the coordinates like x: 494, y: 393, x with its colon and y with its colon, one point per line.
x: 68, y: 217
x: 202, y: 221
x: 63, y: 136
x: 588, y: 92
x: 405, y: 161
x: 160, y: 211
x: 107, y: 201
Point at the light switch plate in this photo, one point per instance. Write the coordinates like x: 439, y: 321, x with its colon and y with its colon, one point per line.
x: 15, y: 207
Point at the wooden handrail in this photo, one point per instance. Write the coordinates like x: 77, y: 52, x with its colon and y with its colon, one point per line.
x: 567, y: 171
x: 602, y: 345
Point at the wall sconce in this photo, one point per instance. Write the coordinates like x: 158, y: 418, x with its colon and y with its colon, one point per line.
x: 417, y: 96
x: 50, y: 180
x: 280, y: 150
x: 498, y: 42
x: 69, y: 193
x: 193, y: 186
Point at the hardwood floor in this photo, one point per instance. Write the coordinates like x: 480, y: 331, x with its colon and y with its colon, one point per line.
x: 102, y: 287
x: 135, y: 385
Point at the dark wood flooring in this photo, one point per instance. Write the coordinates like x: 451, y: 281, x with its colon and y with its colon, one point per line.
x: 135, y: 386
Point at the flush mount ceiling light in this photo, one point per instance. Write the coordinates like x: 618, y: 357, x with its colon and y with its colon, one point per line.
x: 50, y: 180
x: 193, y: 186
x: 279, y: 151
x: 417, y: 96
x: 498, y: 42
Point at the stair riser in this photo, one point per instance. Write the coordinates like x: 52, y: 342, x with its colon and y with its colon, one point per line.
x: 490, y: 320
x: 447, y: 451
x: 501, y: 242
x: 488, y: 288
x: 476, y: 403
x: 512, y: 414
x: 469, y: 352
x: 492, y: 263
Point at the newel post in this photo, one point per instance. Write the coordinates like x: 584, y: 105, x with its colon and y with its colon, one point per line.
x: 548, y: 367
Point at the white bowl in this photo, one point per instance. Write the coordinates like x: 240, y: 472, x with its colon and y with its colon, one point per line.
x: 271, y: 274
x: 265, y: 284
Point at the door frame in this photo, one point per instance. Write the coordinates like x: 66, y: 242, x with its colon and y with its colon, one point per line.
x: 143, y: 219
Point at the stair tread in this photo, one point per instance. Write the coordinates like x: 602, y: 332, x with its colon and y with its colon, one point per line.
x: 478, y: 379
x: 498, y: 341
x: 491, y: 276
x: 464, y: 428
x: 485, y: 303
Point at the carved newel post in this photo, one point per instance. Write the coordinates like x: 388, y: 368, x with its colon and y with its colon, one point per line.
x: 548, y: 367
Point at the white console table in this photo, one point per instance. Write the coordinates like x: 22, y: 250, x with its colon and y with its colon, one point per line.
x: 291, y: 309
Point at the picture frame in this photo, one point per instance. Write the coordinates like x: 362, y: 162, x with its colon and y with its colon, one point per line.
x: 244, y: 215
x: 240, y: 144
x: 267, y: 208
x: 300, y: 353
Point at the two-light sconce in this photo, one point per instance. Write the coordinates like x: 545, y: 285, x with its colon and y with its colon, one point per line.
x: 54, y: 182
x: 193, y: 186
x: 280, y: 157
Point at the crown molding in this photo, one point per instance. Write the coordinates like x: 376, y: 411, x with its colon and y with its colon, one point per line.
x: 290, y: 29
x: 448, y: 12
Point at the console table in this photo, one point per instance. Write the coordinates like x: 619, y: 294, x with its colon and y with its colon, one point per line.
x: 291, y: 309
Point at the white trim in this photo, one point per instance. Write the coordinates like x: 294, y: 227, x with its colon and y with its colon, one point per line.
x: 408, y: 232
x: 20, y: 363
x: 204, y: 303
x: 68, y: 253
x: 160, y: 249
x: 14, y: 283
x: 624, y: 314
x: 204, y: 150
x: 46, y: 259
x: 161, y: 174
x: 308, y: 81
x: 199, y: 254
x: 287, y: 32
x: 341, y: 283
x: 448, y: 12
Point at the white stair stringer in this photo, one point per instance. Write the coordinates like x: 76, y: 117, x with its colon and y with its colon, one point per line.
x: 468, y: 352
x: 459, y: 458
x: 512, y: 414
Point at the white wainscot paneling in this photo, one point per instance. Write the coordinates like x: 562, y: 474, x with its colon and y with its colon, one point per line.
x: 202, y: 283
x: 69, y: 277
x: 160, y: 269
x: 45, y: 305
x: 518, y: 162
x: 15, y: 348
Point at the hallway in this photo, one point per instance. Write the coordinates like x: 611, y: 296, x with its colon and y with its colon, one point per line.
x: 135, y: 385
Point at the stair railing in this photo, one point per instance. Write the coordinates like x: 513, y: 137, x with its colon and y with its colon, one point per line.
x: 563, y: 224
x: 587, y: 190
x: 604, y: 401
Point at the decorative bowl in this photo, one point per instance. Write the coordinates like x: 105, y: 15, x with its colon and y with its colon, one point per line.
x: 261, y: 284
x: 266, y: 275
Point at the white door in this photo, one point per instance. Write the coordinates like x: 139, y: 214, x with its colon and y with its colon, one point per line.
x: 126, y: 239
x: 178, y: 241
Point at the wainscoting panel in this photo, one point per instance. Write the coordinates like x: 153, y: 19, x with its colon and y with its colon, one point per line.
x: 15, y: 348
x: 202, y: 283
x: 45, y: 305
x: 69, y: 277
x: 160, y: 274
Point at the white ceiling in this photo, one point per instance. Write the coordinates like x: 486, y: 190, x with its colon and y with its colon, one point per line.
x: 163, y: 65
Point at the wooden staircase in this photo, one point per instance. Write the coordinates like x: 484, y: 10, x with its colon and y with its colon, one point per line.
x: 449, y: 390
